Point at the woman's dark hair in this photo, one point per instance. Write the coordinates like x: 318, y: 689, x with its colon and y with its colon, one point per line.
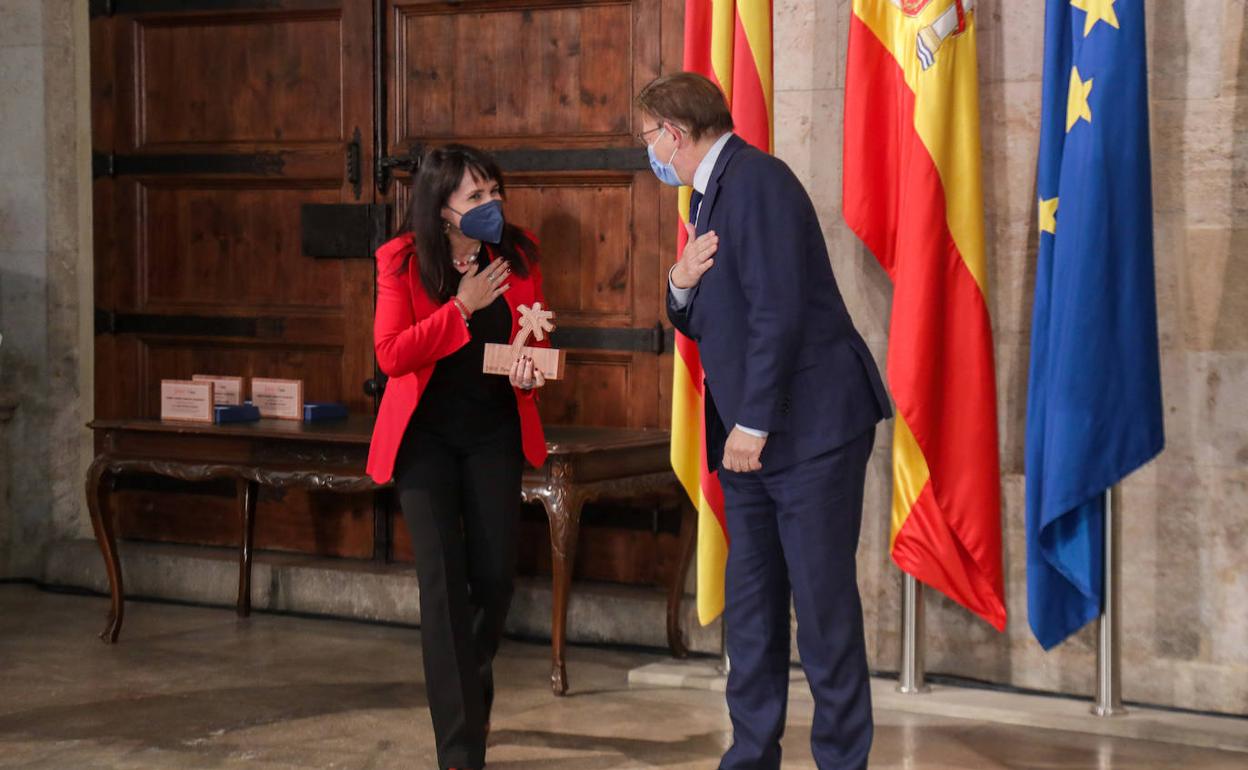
x: 440, y: 172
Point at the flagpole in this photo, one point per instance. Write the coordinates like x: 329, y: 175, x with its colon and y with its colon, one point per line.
x: 912, y: 678
x: 1108, y: 669
x: 725, y: 666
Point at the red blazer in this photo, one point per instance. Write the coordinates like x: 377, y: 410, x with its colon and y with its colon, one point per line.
x: 411, y: 331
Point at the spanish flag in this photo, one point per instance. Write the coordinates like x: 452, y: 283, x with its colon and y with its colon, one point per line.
x: 912, y: 193
x: 728, y: 41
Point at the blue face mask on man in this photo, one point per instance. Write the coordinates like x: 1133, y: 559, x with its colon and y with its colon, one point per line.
x: 484, y: 223
x: 666, y: 172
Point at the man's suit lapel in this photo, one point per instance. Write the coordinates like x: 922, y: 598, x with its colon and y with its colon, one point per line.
x: 734, y: 144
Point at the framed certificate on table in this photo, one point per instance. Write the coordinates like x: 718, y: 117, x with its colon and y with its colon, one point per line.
x: 279, y: 399
x: 227, y: 391
x: 186, y: 401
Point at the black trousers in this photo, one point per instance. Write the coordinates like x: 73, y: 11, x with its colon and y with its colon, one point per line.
x: 460, y: 496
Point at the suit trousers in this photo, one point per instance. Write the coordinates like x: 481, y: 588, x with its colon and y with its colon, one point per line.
x: 794, y: 537
x: 460, y: 497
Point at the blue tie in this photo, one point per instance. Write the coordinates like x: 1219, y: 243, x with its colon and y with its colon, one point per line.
x: 695, y: 203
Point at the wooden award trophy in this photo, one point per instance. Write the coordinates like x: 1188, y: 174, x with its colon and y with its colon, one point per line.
x: 536, y: 323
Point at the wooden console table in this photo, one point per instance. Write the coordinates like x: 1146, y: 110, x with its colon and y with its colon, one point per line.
x: 585, y: 465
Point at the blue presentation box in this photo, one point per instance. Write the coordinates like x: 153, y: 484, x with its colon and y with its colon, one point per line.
x: 235, y: 413
x: 316, y: 411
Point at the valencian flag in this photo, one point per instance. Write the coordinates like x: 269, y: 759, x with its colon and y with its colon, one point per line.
x: 728, y: 41
x: 912, y: 193
x: 1094, y: 395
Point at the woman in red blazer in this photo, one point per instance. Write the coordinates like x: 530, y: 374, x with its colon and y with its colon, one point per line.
x: 453, y: 439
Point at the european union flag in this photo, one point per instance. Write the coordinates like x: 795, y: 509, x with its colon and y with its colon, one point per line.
x: 1094, y: 395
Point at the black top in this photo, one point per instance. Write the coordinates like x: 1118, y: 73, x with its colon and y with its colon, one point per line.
x: 460, y: 397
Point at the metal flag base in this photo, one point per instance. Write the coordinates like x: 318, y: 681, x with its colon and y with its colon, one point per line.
x: 1108, y: 669
x: 912, y: 678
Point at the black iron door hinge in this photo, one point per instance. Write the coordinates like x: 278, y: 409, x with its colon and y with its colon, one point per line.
x: 353, y: 163
x: 107, y: 164
x: 343, y: 230
x: 262, y: 327
x: 97, y: 8
x: 652, y: 339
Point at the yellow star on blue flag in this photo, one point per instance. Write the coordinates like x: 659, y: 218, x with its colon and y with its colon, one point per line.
x: 1077, y: 107
x: 1096, y: 10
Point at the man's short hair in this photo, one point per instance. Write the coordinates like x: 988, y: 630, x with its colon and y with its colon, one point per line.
x: 689, y: 100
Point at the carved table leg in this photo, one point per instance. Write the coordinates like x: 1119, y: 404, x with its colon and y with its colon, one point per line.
x: 676, y: 591
x: 99, y: 486
x: 563, y: 509
x: 248, y: 491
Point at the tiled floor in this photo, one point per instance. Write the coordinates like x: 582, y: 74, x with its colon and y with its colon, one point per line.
x: 195, y: 688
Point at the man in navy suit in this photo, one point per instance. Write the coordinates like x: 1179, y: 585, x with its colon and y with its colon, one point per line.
x: 792, y: 399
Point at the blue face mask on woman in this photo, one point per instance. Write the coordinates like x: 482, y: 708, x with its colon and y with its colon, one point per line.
x: 484, y: 223
x: 666, y: 172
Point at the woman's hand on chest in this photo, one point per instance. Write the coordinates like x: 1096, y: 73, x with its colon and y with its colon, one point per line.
x: 479, y: 289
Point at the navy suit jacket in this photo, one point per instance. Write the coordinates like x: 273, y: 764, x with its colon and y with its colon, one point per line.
x: 779, y: 350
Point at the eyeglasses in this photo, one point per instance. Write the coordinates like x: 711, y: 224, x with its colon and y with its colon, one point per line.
x: 641, y: 137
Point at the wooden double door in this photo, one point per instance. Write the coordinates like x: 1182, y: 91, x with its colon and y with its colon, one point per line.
x: 217, y: 125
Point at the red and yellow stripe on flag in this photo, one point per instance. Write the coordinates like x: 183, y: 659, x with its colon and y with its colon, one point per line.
x: 728, y: 41
x: 912, y: 193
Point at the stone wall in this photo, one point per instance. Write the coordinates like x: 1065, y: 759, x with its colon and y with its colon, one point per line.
x: 45, y: 275
x: 1185, y: 584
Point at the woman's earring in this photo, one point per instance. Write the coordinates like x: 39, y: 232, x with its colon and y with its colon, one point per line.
x: 446, y: 226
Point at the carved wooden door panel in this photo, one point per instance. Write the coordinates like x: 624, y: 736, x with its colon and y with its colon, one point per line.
x: 548, y: 87
x: 213, y: 124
